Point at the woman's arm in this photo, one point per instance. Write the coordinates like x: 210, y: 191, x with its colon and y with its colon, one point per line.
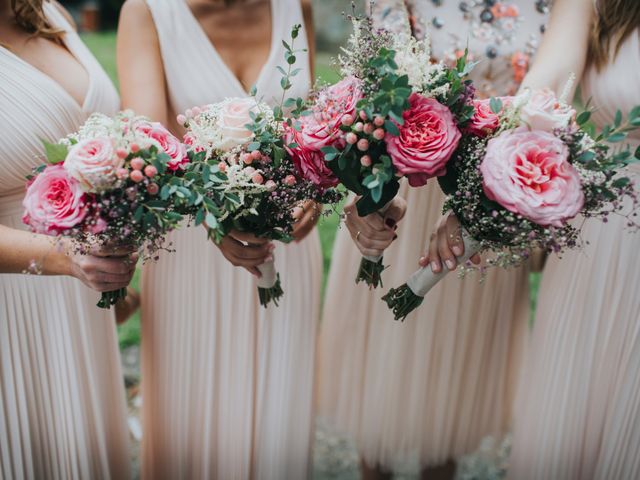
x: 140, y: 67
x: 564, y: 46
x: 21, y: 251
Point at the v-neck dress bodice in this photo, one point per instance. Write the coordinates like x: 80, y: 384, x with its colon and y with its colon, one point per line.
x: 194, y: 69
x: 62, y: 405
x: 227, y: 384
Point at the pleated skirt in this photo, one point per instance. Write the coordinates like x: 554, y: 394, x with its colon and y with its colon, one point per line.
x: 429, y: 388
x: 62, y: 400
x: 228, y: 384
x: 578, y: 407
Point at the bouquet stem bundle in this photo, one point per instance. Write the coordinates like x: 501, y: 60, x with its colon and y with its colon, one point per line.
x: 409, y: 296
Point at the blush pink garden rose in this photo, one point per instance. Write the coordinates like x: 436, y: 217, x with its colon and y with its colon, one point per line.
x: 484, y: 122
x: 427, y: 139
x: 167, y: 143
x: 309, y: 162
x: 543, y: 111
x: 322, y: 127
x: 528, y: 173
x: 54, y: 202
x: 93, y: 163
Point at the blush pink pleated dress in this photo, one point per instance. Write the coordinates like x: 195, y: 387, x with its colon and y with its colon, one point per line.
x: 578, y: 407
x: 432, y: 387
x: 227, y: 384
x: 62, y: 401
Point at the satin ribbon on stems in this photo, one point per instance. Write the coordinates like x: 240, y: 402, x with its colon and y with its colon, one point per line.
x: 269, y: 287
x: 406, y: 298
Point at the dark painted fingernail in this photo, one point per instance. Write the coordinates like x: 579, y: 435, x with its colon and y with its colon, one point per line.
x: 394, y: 237
x: 390, y: 222
x: 395, y: 227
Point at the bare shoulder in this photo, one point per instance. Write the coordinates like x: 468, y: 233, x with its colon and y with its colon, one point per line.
x: 67, y: 16
x: 136, y: 11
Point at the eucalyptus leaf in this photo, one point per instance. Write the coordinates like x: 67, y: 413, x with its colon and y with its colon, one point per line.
x: 56, y: 153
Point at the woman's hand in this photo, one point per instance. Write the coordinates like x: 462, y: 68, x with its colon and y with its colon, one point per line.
x: 306, y: 218
x: 445, y: 245
x: 246, y: 250
x: 374, y: 233
x: 104, y: 270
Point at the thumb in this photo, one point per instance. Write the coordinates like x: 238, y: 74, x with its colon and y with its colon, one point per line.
x: 395, y: 212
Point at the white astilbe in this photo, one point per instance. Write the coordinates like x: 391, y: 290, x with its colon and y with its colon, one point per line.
x: 240, y: 182
x: 413, y: 57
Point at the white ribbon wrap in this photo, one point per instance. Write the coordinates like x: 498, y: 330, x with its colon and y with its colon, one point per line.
x: 269, y: 274
x: 424, y: 279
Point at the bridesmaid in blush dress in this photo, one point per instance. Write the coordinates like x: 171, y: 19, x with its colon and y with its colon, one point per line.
x: 578, y: 407
x: 227, y: 384
x: 62, y: 401
x: 432, y: 387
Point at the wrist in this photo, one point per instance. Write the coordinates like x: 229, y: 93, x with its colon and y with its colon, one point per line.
x: 59, y: 261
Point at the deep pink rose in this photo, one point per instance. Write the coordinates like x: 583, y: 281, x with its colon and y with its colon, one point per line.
x: 426, y: 142
x: 54, y: 202
x: 484, y: 122
x: 166, y: 142
x: 322, y: 127
x: 527, y: 172
x: 94, y: 163
x: 310, y: 162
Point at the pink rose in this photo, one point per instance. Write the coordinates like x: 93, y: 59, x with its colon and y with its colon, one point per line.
x: 484, y: 122
x: 54, y: 202
x: 543, y: 111
x: 527, y: 172
x: 94, y: 163
x: 426, y: 141
x: 166, y: 142
x: 234, y: 115
x: 309, y: 162
x: 322, y: 127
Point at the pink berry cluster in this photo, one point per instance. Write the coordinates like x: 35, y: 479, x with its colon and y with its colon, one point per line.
x: 139, y: 171
x: 362, y: 132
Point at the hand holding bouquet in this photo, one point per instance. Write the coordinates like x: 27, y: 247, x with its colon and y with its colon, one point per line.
x: 101, y: 188
x: 245, y: 179
x: 526, y: 166
x: 395, y: 114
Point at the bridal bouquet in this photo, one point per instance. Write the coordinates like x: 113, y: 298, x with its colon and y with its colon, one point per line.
x: 102, y: 187
x: 525, y: 167
x: 395, y: 114
x: 244, y: 177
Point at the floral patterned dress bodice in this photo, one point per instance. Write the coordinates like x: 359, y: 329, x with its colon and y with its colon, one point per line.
x: 502, y: 35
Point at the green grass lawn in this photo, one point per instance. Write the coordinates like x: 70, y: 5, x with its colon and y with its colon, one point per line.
x: 103, y: 46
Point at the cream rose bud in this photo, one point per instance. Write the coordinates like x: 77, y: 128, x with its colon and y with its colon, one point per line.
x: 233, y: 117
x: 543, y: 111
x: 94, y: 164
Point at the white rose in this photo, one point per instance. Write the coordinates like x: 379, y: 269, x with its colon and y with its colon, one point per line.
x: 232, y: 120
x: 543, y: 111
